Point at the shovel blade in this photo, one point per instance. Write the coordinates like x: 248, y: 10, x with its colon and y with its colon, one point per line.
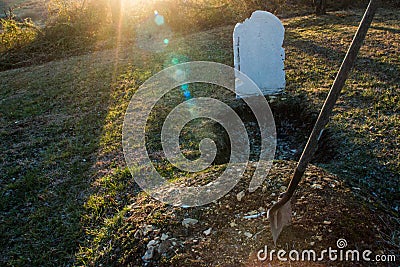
x: 279, y: 219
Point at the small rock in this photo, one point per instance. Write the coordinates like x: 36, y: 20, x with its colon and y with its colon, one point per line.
x: 138, y: 234
x: 254, y: 215
x: 240, y: 195
x: 232, y: 224
x: 208, y: 231
x: 164, y: 237
x: 319, y: 237
x: 248, y: 235
x: 156, y: 231
x: 152, y: 243
x: 316, y: 186
x: 189, y: 222
x: 147, y: 229
x: 312, y: 243
x: 327, y: 222
x: 149, y: 254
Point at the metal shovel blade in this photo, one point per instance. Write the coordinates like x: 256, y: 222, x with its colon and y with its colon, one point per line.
x: 279, y: 219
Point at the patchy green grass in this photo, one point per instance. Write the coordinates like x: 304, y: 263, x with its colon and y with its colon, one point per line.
x: 367, y: 117
x: 67, y: 197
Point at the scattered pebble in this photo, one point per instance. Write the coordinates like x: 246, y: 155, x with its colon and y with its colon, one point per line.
x: 316, y: 186
x: 208, y: 231
x: 240, y: 195
x: 147, y: 229
x: 164, y: 237
x: 254, y: 215
x: 189, y: 222
x: 149, y: 254
x: 138, y: 234
x: 248, y: 234
x: 152, y: 243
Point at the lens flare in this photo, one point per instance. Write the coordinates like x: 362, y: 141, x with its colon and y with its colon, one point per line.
x: 175, y: 61
x: 159, y: 20
x: 153, y: 34
x: 185, y: 87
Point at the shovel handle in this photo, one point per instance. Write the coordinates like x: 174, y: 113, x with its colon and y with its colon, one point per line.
x: 330, y: 101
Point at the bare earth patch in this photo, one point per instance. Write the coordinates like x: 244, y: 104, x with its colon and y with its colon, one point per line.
x: 324, y: 210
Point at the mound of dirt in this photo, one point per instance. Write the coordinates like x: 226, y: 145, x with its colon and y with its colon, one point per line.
x: 234, y: 229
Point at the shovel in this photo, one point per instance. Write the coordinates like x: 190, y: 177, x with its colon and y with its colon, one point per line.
x: 280, y: 213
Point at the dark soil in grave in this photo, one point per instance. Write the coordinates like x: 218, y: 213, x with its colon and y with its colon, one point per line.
x: 294, y: 118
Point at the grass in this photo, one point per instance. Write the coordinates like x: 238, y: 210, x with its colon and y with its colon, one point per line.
x: 368, y: 106
x: 67, y: 195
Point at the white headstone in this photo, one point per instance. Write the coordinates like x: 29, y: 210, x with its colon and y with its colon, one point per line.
x: 258, y: 53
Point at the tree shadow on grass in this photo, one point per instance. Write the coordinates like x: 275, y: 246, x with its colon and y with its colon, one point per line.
x: 383, y: 71
x: 372, y: 84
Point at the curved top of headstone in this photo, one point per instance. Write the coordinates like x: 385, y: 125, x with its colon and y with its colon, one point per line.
x: 275, y: 25
x: 258, y: 53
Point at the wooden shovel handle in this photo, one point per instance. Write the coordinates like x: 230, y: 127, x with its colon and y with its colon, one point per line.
x: 330, y: 101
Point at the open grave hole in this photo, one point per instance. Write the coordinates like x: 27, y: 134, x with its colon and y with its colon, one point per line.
x: 294, y: 119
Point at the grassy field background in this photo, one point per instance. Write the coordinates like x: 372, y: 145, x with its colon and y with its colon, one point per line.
x: 67, y: 197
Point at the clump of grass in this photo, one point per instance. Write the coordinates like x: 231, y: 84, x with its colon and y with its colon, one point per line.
x: 15, y: 34
x: 72, y: 27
